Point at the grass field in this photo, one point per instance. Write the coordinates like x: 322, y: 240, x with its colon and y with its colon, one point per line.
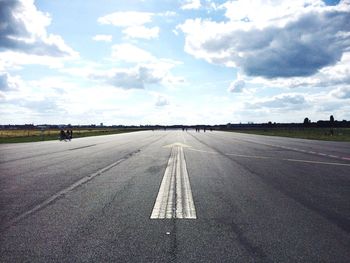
x: 339, y: 134
x: 15, y: 136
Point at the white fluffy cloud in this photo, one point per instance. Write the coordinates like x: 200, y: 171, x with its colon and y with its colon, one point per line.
x: 146, y: 62
x: 104, y: 38
x: 264, y: 13
x: 272, y: 38
x: 138, y: 77
x: 137, y: 68
x: 23, y: 29
x: 10, y: 60
x: 133, y: 23
x: 141, y: 32
x: 281, y: 102
x: 191, y: 4
x: 132, y: 78
x: 131, y: 53
x: 126, y: 19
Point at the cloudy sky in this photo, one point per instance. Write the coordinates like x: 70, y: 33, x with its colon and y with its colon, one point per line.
x: 173, y: 61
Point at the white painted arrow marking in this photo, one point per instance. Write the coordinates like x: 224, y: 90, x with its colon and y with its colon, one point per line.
x: 174, y: 198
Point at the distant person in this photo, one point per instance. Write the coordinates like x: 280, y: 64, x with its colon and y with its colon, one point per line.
x: 68, y: 134
x: 62, y: 135
x: 71, y: 134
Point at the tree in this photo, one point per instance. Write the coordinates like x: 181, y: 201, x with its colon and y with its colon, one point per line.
x: 331, y: 119
x: 306, y: 121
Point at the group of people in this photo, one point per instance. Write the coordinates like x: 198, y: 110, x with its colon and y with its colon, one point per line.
x: 68, y: 135
x: 204, y: 129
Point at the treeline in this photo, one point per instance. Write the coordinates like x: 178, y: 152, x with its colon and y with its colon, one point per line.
x: 318, y: 124
x: 307, y: 123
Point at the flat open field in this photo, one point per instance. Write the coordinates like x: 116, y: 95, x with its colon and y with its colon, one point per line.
x: 339, y: 134
x: 33, y: 135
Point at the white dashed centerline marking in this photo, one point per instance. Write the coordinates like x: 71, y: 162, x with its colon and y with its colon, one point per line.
x: 174, y: 199
x: 333, y: 156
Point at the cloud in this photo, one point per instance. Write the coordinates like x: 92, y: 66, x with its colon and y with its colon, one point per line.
x: 23, y: 29
x: 168, y: 14
x: 141, y: 32
x: 138, y: 77
x: 133, y: 23
x: 8, y: 82
x: 341, y: 93
x: 331, y: 76
x: 280, y: 102
x: 126, y: 19
x: 105, y: 38
x: 262, y: 13
x: 46, y: 105
x: 131, y: 53
x: 150, y: 74
x: 4, y: 82
x: 159, y: 72
x: 161, y: 101
x: 127, y: 80
x: 10, y: 60
x: 210, y: 5
x: 191, y: 4
x: 136, y: 69
x: 135, y: 78
x: 237, y: 86
x: 132, y: 78
x: 289, y: 40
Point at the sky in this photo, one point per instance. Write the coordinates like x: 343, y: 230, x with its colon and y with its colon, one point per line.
x: 147, y: 62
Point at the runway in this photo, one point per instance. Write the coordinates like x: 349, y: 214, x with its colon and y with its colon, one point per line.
x: 175, y: 196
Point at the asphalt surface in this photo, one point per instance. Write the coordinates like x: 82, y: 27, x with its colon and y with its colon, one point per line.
x: 257, y: 199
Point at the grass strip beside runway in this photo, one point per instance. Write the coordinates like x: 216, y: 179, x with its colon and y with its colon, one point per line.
x: 35, y: 135
x: 339, y: 134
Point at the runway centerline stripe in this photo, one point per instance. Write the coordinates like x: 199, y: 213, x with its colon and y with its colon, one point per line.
x: 174, y: 199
